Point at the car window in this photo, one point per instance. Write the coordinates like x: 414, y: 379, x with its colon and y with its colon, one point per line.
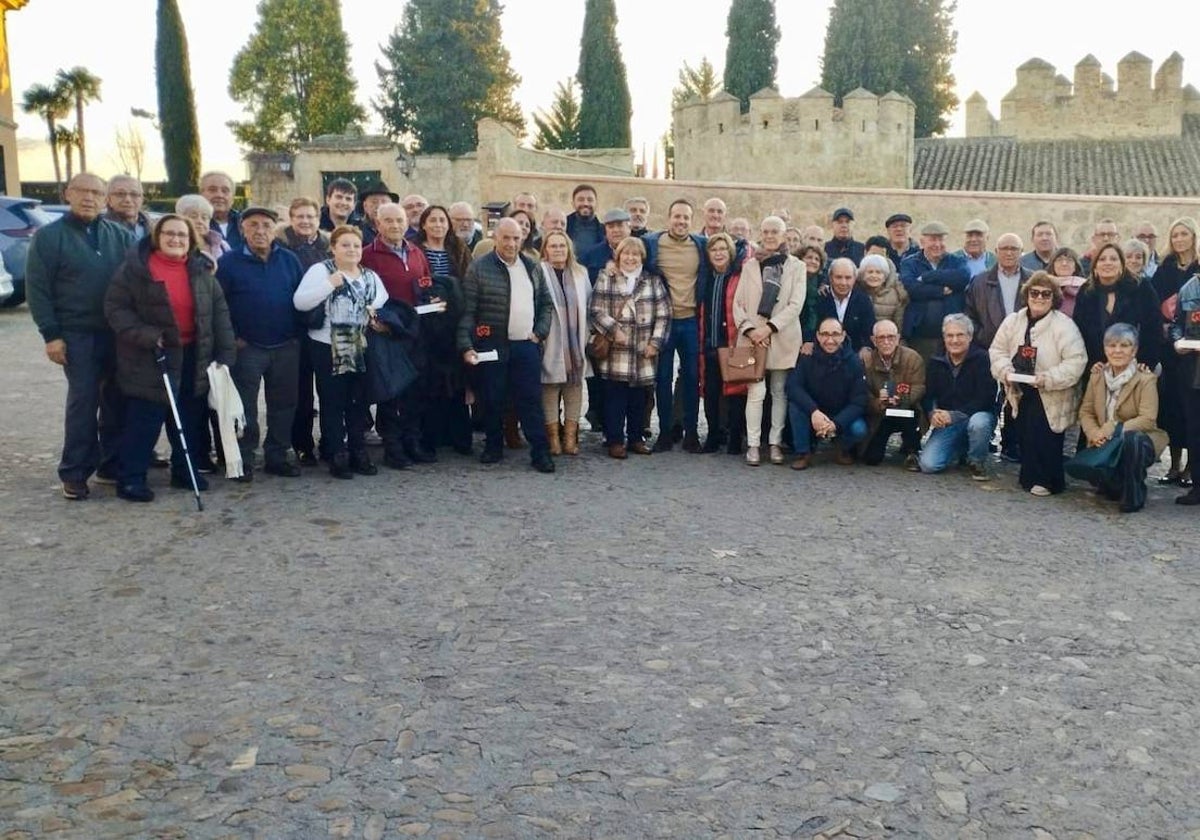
x: 34, y: 215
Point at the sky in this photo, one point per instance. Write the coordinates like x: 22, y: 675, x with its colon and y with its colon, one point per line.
x: 115, y: 40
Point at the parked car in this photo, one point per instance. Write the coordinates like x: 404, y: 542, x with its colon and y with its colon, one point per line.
x: 19, y: 220
x: 6, y: 283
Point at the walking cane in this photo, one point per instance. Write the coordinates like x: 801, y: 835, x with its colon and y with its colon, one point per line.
x: 161, y: 357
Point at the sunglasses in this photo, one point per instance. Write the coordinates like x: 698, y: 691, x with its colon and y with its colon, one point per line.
x: 1041, y: 293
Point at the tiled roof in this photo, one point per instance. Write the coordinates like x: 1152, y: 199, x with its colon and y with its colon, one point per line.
x: 1166, y: 166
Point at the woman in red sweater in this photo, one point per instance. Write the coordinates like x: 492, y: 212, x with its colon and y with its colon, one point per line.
x: 164, y: 298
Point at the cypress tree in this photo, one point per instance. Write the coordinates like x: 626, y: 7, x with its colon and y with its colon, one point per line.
x: 604, y: 103
x: 176, y: 106
x: 901, y: 45
x: 750, y: 61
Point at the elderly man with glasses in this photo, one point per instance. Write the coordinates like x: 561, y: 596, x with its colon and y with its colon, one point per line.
x: 895, y: 388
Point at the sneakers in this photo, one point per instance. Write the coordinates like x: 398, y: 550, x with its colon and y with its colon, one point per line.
x: 981, y: 471
x: 1039, y: 490
x: 76, y: 491
x: 775, y: 453
x: 135, y: 493
x: 753, y: 458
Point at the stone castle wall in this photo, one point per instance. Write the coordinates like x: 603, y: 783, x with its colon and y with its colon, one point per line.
x: 1045, y: 105
x: 802, y: 140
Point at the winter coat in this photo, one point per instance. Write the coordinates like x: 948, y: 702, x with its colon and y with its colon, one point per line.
x: 704, y: 300
x: 785, y: 315
x: 139, y: 310
x: 644, y: 316
x: 1136, y: 304
x: 233, y: 230
x: 835, y: 383
x: 983, y: 303
x: 1137, y: 408
x: 308, y: 253
x: 1187, y: 325
x: 1070, y: 287
x: 905, y: 379
x: 554, y: 359
x: 486, y: 290
x: 971, y: 391
x: 889, y: 300
x: 850, y: 248
x: 66, y: 279
x: 1061, y: 358
x: 394, y: 359
x: 926, y: 287
x: 859, y: 320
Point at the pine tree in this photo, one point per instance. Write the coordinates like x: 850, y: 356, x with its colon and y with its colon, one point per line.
x: 176, y: 104
x: 293, y: 76
x: 750, y: 61
x: 559, y: 129
x: 695, y: 83
x: 901, y: 45
x: 605, y: 106
x: 444, y: 69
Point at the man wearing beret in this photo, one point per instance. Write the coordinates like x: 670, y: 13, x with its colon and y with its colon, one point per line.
x: 843, y: 244
x: 900, y: 244
x: 258, y: 280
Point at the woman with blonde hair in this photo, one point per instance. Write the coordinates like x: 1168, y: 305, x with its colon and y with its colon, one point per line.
x: 1176, y: 267
x: 565, y: 363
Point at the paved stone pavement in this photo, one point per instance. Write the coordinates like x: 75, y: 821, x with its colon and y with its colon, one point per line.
x: 669, y: 647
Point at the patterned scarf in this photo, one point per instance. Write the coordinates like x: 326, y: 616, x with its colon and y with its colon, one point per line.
x: 772, y: 280
x: 346, y: 312
x: 1114, y: 382
x: 567, y: 298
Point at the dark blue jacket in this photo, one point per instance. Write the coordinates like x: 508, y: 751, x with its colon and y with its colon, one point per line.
x: 972, y: 391
x: 584, y: 234
x: 897, y: 257
x: 259, y: 294
x: 928, y: 302
x: 234, y: 234
x: 851, y: 248
x: 595, y: 258
x: 835, y: 383
x: 859, y: 320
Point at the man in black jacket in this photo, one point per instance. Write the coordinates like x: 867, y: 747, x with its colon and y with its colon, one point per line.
x: 848, y: 305
x: 961, y: 394
x: 71, y: 262
x: 827, y: 396
x: 507, y: 309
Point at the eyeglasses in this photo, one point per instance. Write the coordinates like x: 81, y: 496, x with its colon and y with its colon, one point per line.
x: 125, y: 194
x: 172, y: 234
x: 829, y: 335
x: 887, y: 338
x: 1008, y: 248
x: 1147, y: 237
x: 1041, y: 293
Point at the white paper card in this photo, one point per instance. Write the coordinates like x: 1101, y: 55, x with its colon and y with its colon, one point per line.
x: 899, y: 412
x: 1023, y: 378
x: 487, y: 356
x: 1188, y: 344
x: 428, y: 308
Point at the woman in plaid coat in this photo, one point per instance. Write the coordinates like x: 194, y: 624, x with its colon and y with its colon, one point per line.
x: 631, y: 307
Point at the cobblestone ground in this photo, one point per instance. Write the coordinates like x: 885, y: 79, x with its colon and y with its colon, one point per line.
x: 669, y: 647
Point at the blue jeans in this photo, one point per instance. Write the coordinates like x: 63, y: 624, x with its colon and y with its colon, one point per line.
x: 683, y: 338
x: 948, y: 444
x: 802, y: 431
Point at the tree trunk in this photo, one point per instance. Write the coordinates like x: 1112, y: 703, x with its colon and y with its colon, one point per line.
x: 54, y: 154
x: 79, y: 133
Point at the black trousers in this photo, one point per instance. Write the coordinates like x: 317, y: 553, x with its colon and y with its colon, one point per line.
x: 302, y: 424
x: 1127, y: 484
x: 343, y: 399
x: 95, y: 407
x: 1041, y: 447
x: 910, y: 439
x: 516, y: 380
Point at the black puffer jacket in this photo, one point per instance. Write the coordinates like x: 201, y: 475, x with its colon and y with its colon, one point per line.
x: 139, y: 311
x: 484, y: 321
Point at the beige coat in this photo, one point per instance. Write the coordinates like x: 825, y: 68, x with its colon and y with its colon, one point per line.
x: 1137, y: 408
x: 554, y: 360
x: 890, y: 299
x: 785, y: 317
x: 1061, y: 358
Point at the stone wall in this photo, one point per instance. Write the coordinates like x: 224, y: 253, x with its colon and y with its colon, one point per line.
x: 275, y: 180
x: 1045, y: 105
x: 803, y: 140
x: 1075, y: 216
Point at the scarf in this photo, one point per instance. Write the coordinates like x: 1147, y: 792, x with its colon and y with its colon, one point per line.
x: 714, y: 309
x: 1114, y: 382
x: 566, y: 296
x: 772, y: 280
x: 347, y: 316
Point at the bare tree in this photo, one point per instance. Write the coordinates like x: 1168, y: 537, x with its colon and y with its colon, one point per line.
x: 131, y: 149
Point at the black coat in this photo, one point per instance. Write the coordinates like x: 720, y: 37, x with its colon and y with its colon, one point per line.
x: 972, y: 391
x: 394, y: 358
x: 1136, y: 304
x: 139, y: 311
x: 858, y: 323
x: 835, y: 383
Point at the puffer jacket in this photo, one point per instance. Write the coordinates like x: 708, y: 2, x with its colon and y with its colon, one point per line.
x: 485, y: 292
x: 139, y: 311
x: 889, y: 298
x: 1061, y: 358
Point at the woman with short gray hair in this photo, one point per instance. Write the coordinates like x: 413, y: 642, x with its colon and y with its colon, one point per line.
x: 199, y: 212
x: 1120, y: 394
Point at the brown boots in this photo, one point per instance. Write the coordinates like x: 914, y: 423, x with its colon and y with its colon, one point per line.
x: 552, y: 433
x: 512, y: 432
x: 570, y: 445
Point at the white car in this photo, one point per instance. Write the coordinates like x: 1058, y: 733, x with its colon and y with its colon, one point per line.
x: 6, y: 282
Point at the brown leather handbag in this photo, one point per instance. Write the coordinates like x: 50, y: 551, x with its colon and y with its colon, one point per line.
x: 599, y: 346
x: 742, y: 364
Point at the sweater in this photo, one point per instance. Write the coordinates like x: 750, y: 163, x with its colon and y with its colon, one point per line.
x: 969, y: 391
x: 67, y: 273
x: 173, y: 274
x: 259, y: 293
x: 679, y: 266
x: 401, y: 276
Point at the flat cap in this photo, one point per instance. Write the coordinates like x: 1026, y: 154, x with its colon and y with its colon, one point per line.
x: 260, y: 211
x: 897, y: 217
x: 976, y: 226
x: 934, y: 229
x: 616, y: 215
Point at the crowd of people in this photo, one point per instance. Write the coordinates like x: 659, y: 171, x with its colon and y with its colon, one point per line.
x: 413, y: 327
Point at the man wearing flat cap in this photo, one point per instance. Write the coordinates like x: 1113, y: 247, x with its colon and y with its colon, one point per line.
x: 616, y: 229
x: 935, y: 282
x: 843, y: 244
x: 371, y: 198
x: 259, y: 280
x: 900, y: 244
x: 975, y: 247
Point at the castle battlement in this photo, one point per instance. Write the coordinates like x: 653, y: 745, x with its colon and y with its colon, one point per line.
x: 1045, y: 105
x: 799, y: 140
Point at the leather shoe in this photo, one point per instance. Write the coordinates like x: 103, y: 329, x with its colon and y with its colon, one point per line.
x: 617, y: 450
x: 775, y: 453
x: 284, y: 468
x: 135, y: 493
x: 1190, y: 498
x: 691, y: 443
x: 664, y: 443
x: 543, y: 463
x: 491, y: 456
x: 339, y: 466
x: 76, y: 491
x: 752, y: 456
x: 360, y: 462
x: 800, y: 462
x: 841, y: 456
x: 306, y: 458
x: 640, y: 448
x: 397, y: 462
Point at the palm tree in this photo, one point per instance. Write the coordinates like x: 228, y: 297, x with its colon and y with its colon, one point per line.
x: 68, y: 140
x: 84, y: 87
x: 51, y: 104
